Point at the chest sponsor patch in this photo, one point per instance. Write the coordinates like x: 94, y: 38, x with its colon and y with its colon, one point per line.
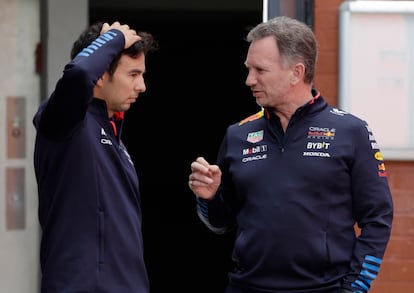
x: 104, y: 138
x: 255, y: 137
x: 321, y: 132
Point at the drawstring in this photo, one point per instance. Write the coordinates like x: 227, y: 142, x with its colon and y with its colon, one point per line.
x: 116, y: 117
x: 113, y: 127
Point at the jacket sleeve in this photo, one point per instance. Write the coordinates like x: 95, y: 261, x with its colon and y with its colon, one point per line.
x: 67, y: 105
x: 219, y: 213
x: 372, y: 209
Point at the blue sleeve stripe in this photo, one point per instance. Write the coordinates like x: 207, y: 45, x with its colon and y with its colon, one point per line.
x: 96, y: 44
x: 93, y: 47
x: 108, y: 36
x: 365, y: 281
x: 368, y: 274
x: 370, y: 267
x: 89, y: 50
x: 202, y: 203
x: 99, y: 41
x: 360, y: 284
x: 202, y: 208
x: 204, y: 213
x: 373, y: 259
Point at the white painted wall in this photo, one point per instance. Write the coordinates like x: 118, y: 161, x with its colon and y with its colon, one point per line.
x: 20, y: 31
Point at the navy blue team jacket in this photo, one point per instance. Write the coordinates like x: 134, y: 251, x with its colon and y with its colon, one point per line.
x: 295, y: 199
x: 89, y: 200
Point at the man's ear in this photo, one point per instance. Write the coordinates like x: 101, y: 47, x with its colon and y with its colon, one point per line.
x: 298, y: 73
x: 100, y: 81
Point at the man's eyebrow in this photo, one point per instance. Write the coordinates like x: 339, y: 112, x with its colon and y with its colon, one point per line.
x: 137, y: 71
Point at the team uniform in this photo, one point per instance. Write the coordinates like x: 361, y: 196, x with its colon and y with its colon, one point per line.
x: 294, y: 198
x: 89, y: 199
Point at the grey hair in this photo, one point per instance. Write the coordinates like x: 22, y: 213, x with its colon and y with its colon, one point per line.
x: 295, y: 40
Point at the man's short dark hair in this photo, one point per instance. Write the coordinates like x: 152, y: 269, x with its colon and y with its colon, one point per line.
x: 143, y: 46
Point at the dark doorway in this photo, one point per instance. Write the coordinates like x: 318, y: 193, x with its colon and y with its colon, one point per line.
x: 195, y: 89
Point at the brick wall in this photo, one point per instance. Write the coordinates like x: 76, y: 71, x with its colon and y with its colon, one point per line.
x: 397, y: 271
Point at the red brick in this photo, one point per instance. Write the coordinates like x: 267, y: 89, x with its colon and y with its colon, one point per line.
x: 326, y: 84
x: 401, y: 270
x: 392, y: 287
x: 400, y: 247
x: 401, y: 175
x: 403, y: 226
x: 403, y: 201
x: 328, y: 65
x: 327, y: 40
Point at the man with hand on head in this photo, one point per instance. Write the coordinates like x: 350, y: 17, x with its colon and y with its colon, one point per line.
x: 89, y: 199
x: 295, y: 178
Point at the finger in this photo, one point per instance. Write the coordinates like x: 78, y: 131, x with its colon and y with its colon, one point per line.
x: 196, y: 167
x: 202, y: 161
x: 135, y: 34
x: 214, y: 169
x: 104, y: 28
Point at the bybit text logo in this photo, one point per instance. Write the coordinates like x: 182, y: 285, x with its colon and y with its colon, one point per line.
x: 318, y: 145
